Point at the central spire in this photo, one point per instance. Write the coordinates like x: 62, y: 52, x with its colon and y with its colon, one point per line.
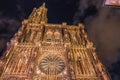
x: 43, y: 5
x: 38, y: 15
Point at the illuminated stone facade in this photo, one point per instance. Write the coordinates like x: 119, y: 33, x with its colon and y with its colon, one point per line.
x: 43, y: 51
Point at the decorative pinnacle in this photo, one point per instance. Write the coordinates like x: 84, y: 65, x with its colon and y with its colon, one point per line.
x: 43, y: 5
x: 39, y: 14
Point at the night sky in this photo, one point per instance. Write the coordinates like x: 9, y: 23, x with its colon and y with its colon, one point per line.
x: 102, y: 23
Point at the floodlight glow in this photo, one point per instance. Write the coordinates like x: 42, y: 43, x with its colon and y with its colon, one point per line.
x: 112, y: 2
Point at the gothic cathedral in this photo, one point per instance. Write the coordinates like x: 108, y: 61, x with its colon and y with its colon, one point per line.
x: 45, y: 51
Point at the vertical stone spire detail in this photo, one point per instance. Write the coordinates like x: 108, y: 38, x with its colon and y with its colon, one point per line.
x: 38, y: 15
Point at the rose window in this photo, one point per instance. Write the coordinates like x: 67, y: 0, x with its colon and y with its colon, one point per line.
x: 52, y: 64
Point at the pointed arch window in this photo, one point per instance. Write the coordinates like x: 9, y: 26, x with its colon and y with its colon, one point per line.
x: 49, y: 36
x: 57, y: 36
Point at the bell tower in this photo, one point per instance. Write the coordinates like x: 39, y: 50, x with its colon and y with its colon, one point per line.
x: 46, y: 51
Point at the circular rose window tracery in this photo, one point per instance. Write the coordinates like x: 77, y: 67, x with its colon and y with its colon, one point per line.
x: 52, y: 64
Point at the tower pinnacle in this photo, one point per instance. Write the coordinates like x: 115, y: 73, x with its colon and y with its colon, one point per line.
x: 43, y: 5
x: 38, y: 15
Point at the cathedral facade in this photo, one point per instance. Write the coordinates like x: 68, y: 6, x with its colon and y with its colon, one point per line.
x: 45, y: 51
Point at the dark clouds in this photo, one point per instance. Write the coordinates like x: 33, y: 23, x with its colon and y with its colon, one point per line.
x: 104, y: 30
x: 11, y: 15
x: 85, y: 8
x: 103, y: 27
x: 8, y: 27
